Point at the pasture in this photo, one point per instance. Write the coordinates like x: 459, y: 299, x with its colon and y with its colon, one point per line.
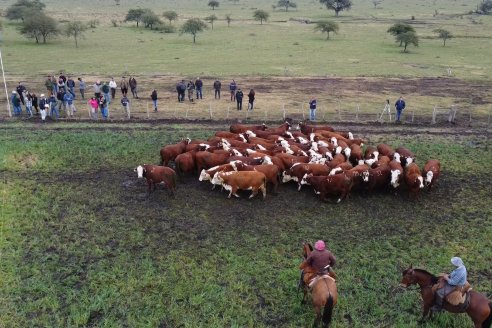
x: 81, y: 245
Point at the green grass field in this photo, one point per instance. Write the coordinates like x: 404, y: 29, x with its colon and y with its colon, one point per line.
x: 81, y: 245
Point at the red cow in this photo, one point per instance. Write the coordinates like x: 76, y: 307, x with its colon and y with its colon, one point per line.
x: 396, y: 173
x: 157, y: 174
x: 413, y: 179
x: 169, y: 152
x: 431, y: 173
x: 307, y: 128
x: 185, y: 162
x: 246, y: 160
x: 345, y: 166
x: 270, y: 171
x: 205, y: 160
x: 299, y: 170
x: 386, y: 150
x: 356, y: 155
x: 289, y: 160
x: 357, y: 173
x: 241, y: 128
x: 405, y: 156
x: 377, y: 178
x: 245, y: 180
x: 277, y: 131
x: 338, y: 185
x: 337, y: 160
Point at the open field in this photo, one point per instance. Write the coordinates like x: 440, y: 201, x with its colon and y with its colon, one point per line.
x: 81, y: 245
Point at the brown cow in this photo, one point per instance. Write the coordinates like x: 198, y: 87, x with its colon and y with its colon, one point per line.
x: 207, y: 175
x: 185, y: 162
x: 206, y: 160
x: 245, y: 180
x: 337, y: 160
x: 396, y: 173
x: 308, y: 128
x: 157, y: 174
x: 230, y: 135
x: 289, y: 160
x: 345, y: 166
x: 432, y: 171
x: 356, y: 174
x: 405, y: 156
x: 382, y: 160
x: 246, y: 160
x: 277, y: 131
x: 297, y: 171
x: 378, y: 177
x: 271, y: 172
x: 268, y: 160
x: 356, y: 155
x: 169, y: 152
x: 338, y: 185
x: 241, y: 128
x: 386, y: 150
x: 413, y: 179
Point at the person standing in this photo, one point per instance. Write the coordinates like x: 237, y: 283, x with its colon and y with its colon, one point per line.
x: 198, y: 87
x: 68, y: 100
x: 16, y: 103
x: 54, y: 82
x: 233, y: 88
x: 105, y: 90
x: 181, y: 89
x: 71, y: 86
x: 251, y: 99
x: 97, y: 89
x: 153, y: 96
x: 61, y: 85
x: 133, y: 86
x: 399, y: 106
x: 239, y: 99
x: 217, y: 86
x: 94, y: 105
x: 191, y: 90
x: 81, y: 87
x: 35, y: 103
x: 53, y: 110
x: 113, y: 86
x: 28, y: 102
x: 312, y: 109
x: 20, y: 91
x: 124, y: 86
x: 43, y: 101
x: 103, y: 106
x: 44, y: 111
x: 126, y: 105
x: 59, y: 96
x: 49, y: 86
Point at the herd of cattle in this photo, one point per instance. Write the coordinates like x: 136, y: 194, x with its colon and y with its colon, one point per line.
x: 332, y: 162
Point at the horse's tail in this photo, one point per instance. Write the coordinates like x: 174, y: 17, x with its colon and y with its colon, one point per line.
x: 488, y: 321
x: 328, y: 311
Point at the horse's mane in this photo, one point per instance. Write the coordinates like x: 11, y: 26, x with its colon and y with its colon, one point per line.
x: 433, y: 278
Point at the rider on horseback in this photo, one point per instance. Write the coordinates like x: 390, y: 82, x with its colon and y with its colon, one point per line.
x: 457, y: 278
x: 319, y: 258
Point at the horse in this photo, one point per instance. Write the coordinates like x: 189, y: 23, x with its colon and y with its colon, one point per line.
x: 324, y: 292
x: 479, y: 310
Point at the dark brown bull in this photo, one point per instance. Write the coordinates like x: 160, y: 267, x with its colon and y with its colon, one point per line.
x: 185, y: 162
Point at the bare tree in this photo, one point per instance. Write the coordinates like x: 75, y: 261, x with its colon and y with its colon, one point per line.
x: 211, y: 19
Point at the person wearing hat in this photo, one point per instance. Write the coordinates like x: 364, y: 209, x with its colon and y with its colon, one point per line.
x: 44, y: 110
x: 105, y: 90
x: 319, y: 258
x: 43, y: 101
x: 457, y: 278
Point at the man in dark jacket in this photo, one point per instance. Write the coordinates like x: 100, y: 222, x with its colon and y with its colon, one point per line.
x: 71, y: 86
x: 217, y: 86
x: 239, y: 99
x: 198, y: 88
x: 20, y: 91
x: 399, y: 106
x: 16, y: 103
x: 232, y: 88
x: 153, y: 96
x: 181, y: 89
x: 133, y: 86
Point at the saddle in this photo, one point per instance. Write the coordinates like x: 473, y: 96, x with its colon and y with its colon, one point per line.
x: 325, y: 273
x: 455, y: 297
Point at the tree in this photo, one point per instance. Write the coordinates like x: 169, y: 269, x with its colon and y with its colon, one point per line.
x: 400, y: 28
x: 485, y: 7
x: 326, y: 27
x: 117, y: 2
x: 213, y: 4
x: 407, y: 38
x: 76, y: 30
x: 18, y: 10
x: 443, y: 34
x: 134, y: 15
x: 337, y: 5
x: 376, y: 3
x: 38, y: 26
x: 261, y: 15
x: 228, y: 19
x: 149, y: 19
x: 193, y: 26
x: 170, y: 16
x: 211, y: 19
x: 286, y: 4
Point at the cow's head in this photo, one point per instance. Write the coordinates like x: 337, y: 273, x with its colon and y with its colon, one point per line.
x: 420, y: 180
x: 409, y: 161
x: 140, y: 171
x: 236, y: 165
x: 243, y: 138
x: 376, y: 155
x: 290, y: 135
x: 217, y: 178
x: 187, y: 141
x: 204, y: 146
x: 428, y: 178
x: 204, y: 176
x: 267, y: 160
x: 312, y: 136
x: 338, y: 150
x: 365, y: 176
x: 250, y: 134
x: 395, y: 174
x: 329, y: 156
x: 361, y: 162
x: 397, y: 157
x: 334, y: 141
x: 347, y: 151
x: 314, y: 146
x: 371, y: 161
x: 236, y: 152
x: 305, y: 178
x: 286, y: 176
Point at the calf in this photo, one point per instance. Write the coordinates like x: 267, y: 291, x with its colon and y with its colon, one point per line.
x: 157, y: 174
x: 245, y: 180
x: 169, y: 152
x: 378, y: 177
x: 413, y: 179
x: 298, y: 170
x: 338, y: 185
x: 271, y: 172
x: 405, y: 155
x: 431, y: 173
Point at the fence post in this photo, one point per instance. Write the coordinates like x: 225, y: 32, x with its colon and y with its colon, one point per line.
x: 148, y: 110
x: 433, y: 121
x: 283, y: 109
x: 357, y: 113
x: 210, y: 109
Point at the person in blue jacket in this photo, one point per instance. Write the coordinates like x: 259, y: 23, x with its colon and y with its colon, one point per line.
x: 399, y: 106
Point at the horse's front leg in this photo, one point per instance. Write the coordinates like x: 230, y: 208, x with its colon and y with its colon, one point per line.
x: 426, y: 312
x: 304, y: 291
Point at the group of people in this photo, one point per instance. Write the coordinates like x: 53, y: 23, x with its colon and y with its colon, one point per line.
x: 196, y: 86
x: 320, y: 258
